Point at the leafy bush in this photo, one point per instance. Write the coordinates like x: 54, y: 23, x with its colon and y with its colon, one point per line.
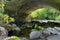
x: 45, y: 13
x: 52, y: 13
x: 39, y: 13
x: 38, y: 27
x: 4, y: 18
x: 58, y: 18
x: 7, y: 19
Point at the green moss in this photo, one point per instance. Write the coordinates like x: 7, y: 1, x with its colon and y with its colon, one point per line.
x: 13, y: 38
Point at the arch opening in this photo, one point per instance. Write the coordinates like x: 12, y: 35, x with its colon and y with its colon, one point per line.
x: 45, y: 14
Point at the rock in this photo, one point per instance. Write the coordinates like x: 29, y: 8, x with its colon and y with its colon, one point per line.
x: 23, y: 38
x: 54, y: 37
x: 3, y: 33
x: 50, y: 31
x: 46, y: 32
x: 35, y: 34
x: 47, y: 21
x: 57, y: 28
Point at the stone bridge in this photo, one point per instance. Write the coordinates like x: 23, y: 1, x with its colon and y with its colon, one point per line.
x: 21, y: 9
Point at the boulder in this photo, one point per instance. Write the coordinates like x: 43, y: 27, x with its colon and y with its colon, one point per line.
x: 50, y: 31
x: 54, y: 37
x: 3, y: 33
x: 35, y: 34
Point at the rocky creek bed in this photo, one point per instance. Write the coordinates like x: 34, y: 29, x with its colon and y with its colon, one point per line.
x: 46, y: 34
x: 49, y: 33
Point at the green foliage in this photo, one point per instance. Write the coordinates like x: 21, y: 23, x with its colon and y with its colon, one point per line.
x: 2, y: 6
x: 58, y: 18
x: 52, y: 13
x: 1, y: 10
x: 7, y: 19
x: 13, y: 38
x: 39, y: 13
x: 38, y: 27
x: 45, y: 13
x: 4, y: 17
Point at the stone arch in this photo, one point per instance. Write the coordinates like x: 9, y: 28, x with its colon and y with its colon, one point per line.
x: 28, y: 6
x: 27, y: 11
